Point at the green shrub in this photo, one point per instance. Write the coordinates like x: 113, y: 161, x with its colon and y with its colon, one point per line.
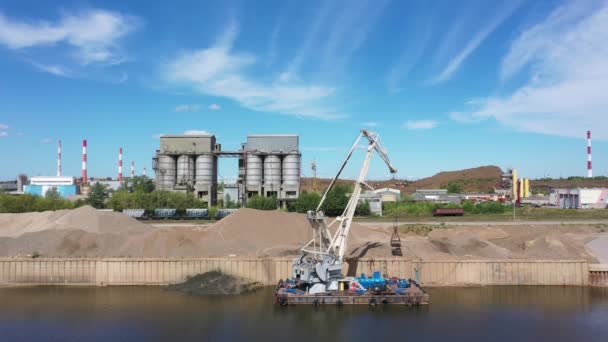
x: 306, y: 201
x: 262, y: 203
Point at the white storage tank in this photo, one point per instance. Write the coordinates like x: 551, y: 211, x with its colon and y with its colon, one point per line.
x: 166, y: 172
x: 272, y: 172
x: 291, y: 170
x: 206, y: 171
x: 185, y: 169
x: 253, y: 172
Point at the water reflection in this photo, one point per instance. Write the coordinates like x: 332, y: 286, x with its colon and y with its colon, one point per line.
x: 149, y: 313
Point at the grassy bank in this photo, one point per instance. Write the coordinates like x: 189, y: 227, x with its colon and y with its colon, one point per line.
x: 521, y: 214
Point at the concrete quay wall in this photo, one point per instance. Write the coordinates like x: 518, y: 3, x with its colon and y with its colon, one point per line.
x: 157, y: 271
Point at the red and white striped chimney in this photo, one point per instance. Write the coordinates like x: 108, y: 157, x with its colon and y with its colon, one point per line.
x: 120, y: 165
x: 132, y: 169
x: 85, y: 179
x: 589, y: 166
x: 59, y: 159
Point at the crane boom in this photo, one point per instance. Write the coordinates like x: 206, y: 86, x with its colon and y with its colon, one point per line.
x: 322, y: 257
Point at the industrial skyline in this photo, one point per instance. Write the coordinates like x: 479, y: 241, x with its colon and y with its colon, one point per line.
x: 449, y: 87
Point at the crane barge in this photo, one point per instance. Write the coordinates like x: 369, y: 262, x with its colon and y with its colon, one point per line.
x: 317, y: 272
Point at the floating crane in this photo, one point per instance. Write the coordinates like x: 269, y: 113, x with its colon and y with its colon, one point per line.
x: 317, y: 271
x: 320, y: 263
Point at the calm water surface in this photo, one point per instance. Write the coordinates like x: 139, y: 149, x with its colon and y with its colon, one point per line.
x: 152, y: 314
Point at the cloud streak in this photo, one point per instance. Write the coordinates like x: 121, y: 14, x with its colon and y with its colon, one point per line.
x: 566, y: 60
x: 456, y: 62
x: 220, y: 71
x: 420, y: 125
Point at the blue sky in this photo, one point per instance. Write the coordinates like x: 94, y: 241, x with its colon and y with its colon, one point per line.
x: 447, y: 84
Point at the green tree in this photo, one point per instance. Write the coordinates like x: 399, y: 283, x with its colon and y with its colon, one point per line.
x: 363, y: 209
x: 336, y: 200
x: 139, y: 184
x: 307, y: 201
x: 98, y: 195
x: 454, y: 188
x: 262, y: 203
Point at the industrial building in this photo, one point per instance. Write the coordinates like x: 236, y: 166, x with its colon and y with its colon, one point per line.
x: 66, y: 186
x: 389, y: 195
x: 268, y: 165
x: 375, y: 202
x: 579, y: 198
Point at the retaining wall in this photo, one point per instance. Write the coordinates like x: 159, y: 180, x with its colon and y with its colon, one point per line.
x: 111, y: 271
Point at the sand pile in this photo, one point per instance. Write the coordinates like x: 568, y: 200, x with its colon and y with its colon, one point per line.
x: 86, y: 232
x: 82, y: 232
x: 85, y: 218
x: 215, y: 283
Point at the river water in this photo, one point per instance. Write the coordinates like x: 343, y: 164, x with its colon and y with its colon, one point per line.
x: 153, y: 314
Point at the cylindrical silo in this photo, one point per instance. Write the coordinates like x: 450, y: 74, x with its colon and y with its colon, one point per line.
x: 253, y: 172
x: 272, y: 172
x: 185, y: 169
x: 291, y: 170
x: 206, y: 171
x: 166, y: 172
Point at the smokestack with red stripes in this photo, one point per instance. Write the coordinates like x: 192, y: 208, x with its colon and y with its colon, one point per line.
x: 132, y: 169
x: 59, y: 159
x: 120, y: 165
x: 589, y: 166
x: 85, y: 179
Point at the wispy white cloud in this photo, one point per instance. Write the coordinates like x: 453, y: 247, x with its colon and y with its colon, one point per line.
x: 93, y: 37
x: 196, y: 132
x: 214, y: 106
x: 420, y: 125
x: 46, y: 141
x: 188, y: 108
x: 220, y: 71
x: 566, y: 56
x: 56, y: 70
x: 3, y: 126
x: 456, y: 62
x: 3, y: 133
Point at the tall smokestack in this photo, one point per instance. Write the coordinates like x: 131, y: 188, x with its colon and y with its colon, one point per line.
x: 85, y: 179
x: 589, y: 167
x: 145, y: 171
x: 120, y: 165
x: 132, y: 169
x: 59, y: 159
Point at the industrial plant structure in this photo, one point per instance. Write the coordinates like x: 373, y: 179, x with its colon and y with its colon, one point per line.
x: 269, y: 165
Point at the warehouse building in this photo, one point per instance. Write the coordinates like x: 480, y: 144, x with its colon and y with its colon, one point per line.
x: 268, y: 165
x: 66, y: 186
x: 579, y: 198
x: 389, y: 195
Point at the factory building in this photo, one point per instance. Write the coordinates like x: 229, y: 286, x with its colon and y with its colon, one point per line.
x: 39, y: 186
x: 188, y: 163
x: 579, y: 198
x: 389, y: 195
x: 268, y: 165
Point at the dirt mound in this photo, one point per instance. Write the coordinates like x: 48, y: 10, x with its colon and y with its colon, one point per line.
x: 85, y: 218
x: 215, y: 283
x: 481, y: 178
x: 475, y: 179
x: 86, y: 232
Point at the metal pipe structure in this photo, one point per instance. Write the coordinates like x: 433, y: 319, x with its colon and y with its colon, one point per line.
x: 120, y: 165
x: 85, y: 178
x: 59, y: 159
x: 132, y: 169
x: 589, y: 166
